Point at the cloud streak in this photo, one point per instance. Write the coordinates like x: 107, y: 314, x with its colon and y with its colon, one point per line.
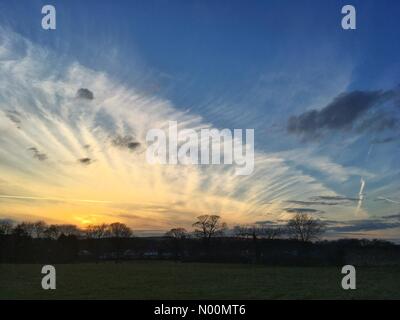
x: 303, y: 210
x: 51, y: 199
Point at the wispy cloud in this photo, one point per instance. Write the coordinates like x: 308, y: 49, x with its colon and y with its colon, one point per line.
x: 70, y: 127
x: 60, y: 128
x: 51, y: 199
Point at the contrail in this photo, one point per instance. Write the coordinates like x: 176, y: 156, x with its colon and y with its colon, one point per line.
x: 362, y: 182
x: 52, y: 199
x: 369, y: 151
x: 360, y: 195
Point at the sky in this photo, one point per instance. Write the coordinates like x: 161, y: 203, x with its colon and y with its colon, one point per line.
x: 76, y: 104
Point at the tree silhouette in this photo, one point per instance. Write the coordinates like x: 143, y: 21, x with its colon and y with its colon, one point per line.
x: 6, y: 227
x: 54, y: 231
x: 209, y: 226
x: 119, y: 230
x: 177, y: 237
x: 177, y: 233
x: 33, y: 229
x: 304, y: 227
x: 259, y: 231
x: 97, y: 231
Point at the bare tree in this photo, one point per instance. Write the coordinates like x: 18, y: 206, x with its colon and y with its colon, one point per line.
x: 6, y: 227
x: 70, y: 230
x: 119, y: 230
x: 33, y: 229
x: 269, y: 232
x: 97, y: 231
x: 209, y: 226
x: 177, y: 233
x: 39, y: 227
x: 52, y: 232
x: 240, y: 231
x: 304, y: 227
x: 19, y: 231
x: 257, y: 232
x: 176, y: 241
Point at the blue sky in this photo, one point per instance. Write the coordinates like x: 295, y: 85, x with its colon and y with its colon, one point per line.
x: 254, y: 64
x: 204, y: 51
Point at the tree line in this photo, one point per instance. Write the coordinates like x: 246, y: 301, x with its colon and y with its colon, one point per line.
x: 302, y: 227
x: 295, y: 243
x: 40, y: 229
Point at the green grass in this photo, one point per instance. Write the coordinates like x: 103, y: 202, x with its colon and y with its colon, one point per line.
x: 169, y: 280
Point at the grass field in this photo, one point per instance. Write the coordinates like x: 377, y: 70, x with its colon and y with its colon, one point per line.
x: 169, y: 280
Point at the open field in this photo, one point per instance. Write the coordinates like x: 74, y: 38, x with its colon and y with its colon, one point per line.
x: 169, y: 280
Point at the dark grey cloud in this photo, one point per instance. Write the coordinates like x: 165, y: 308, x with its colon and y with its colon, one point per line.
x: 342, y: 113
x: 351, y: 226
x: 14, y: 116
x: 335, y: 198
x: 272, y: 224
x: 313, y: 203
x: 267, y: 222
x: 360, y: 225
x: 393, y: 216
x: 129, y: 216
x: 84, y: 93
x: 125, y: 142
x: 302, y: 210
x: 86, y: 161
x: 37, y: 154
x: 324, y: 201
